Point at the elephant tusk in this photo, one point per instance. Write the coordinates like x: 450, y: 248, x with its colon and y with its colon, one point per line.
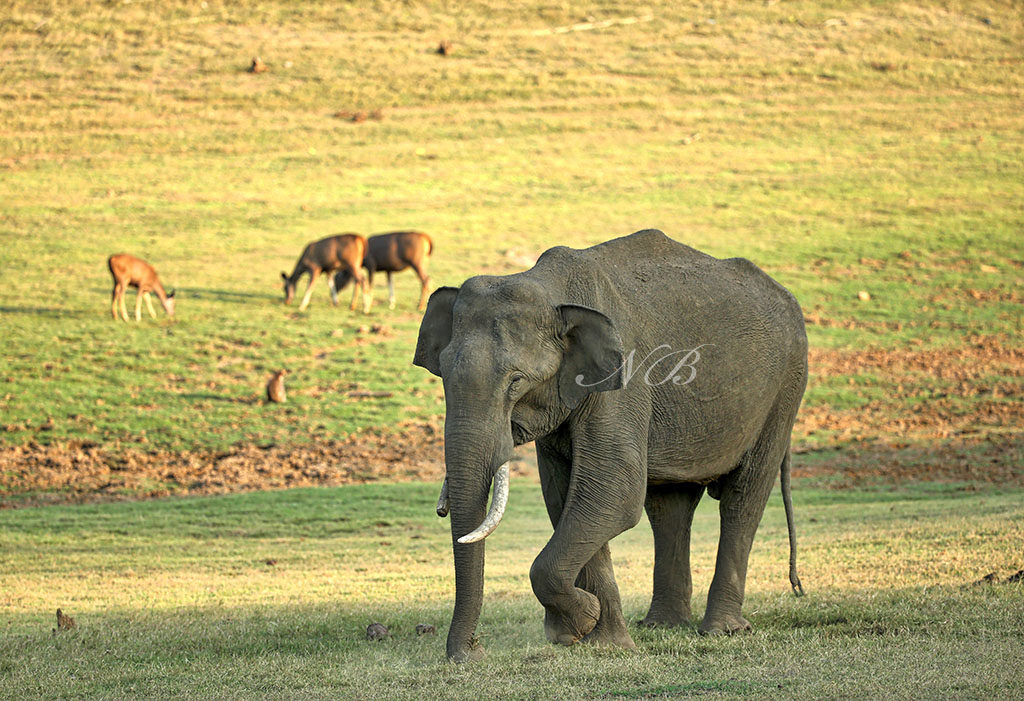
x: 442, y: 501
x: 498, y: 503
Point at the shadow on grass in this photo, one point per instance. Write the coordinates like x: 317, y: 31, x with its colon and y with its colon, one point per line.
x: 50, y: 312
x: 198, y: 396
x: 228, y: 295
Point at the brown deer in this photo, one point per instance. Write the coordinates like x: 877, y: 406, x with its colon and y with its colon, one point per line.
x: 391, y: 253
x: 129, y: 271
x: 341, y: 252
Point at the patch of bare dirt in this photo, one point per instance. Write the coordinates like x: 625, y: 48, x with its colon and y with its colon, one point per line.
x: 78, y: 472
x: 972, y: 390
x: 993, y: 459
x: 949, y: 415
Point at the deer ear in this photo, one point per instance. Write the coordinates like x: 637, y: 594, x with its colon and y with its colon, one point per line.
x: 284, y: 277
x: 435, y: 329
x: 593, y: 357
x: 171, y: 293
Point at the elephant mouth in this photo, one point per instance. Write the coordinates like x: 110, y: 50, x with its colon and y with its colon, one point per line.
x: 519, y: 434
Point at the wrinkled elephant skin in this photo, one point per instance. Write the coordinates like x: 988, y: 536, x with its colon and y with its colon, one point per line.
x: 646, y: 372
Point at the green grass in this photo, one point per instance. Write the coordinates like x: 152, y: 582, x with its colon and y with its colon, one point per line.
x: 175, y: 599
x: 843, y: 146
x: 821, y: 141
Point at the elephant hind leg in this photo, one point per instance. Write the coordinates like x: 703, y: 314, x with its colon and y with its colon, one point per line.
x: 670, y: 510
x: 743, y: 496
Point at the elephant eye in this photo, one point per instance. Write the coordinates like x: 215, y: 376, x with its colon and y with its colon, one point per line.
x: 515, y: 381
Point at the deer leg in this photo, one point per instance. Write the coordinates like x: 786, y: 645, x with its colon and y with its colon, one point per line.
x: 425, y: 285
x: 138, y: 306
x: 149, y: 303
x: 309, y: 290
x: 333, y: 288
x: 113, y: 301
x: 367, y: 295
x: 391, y: 291
x: 124, y: 307
x: 356, y: 284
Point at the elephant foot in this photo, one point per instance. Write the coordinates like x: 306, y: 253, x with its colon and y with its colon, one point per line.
x: 565, y: 627
x: 663, y: 618
x: 610, y: 634
x: 724, y: 625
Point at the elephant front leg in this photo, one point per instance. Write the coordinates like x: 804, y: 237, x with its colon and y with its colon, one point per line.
x: 569, y: 612
x: 598, y: 577
x: 588, y: 609
x: 670, y: 510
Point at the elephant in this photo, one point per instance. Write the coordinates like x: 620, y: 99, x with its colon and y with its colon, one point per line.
x: 645, y: 372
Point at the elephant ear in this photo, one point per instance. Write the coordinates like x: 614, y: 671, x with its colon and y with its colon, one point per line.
x: 593, y: 357
x: 435, y: 329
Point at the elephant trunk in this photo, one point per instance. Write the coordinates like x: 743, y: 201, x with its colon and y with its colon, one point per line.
x: 470, y: 466
x: 468, y: 506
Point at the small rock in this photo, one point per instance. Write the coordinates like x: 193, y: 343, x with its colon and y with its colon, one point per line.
x: 377, y: 631
x: 988, y: 268
x: 989, y: 578
x: 444, y: 48
x: 257, y: 65
x: 270, y: 562
x: 864, y: 296
x: 425, y: 629
x: 1014, y: 578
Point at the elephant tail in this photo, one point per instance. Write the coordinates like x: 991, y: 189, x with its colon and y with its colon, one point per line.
x: 787, y: 501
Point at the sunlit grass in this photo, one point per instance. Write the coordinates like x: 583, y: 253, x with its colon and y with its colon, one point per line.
x: 252, y: 594
x: 821, y: 142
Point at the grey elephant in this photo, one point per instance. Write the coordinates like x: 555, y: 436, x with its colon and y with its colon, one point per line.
x: 646, y: 372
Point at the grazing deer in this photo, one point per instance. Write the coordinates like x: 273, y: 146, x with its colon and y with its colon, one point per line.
x: 342, y: 252
x: 391, y: 253
x: 129, y: 271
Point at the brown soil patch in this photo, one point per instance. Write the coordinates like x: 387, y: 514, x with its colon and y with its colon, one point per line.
x: 994, y: 459
x: 78, y: 472
x: 973, y: 390
x: 950, y: 415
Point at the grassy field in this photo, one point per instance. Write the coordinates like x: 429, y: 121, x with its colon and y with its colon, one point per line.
x: 841, y: 146
x: 269, y: 595
x: 867, y: 155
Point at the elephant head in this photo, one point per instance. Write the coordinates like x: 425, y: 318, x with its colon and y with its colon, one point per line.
x: 515, y: 363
